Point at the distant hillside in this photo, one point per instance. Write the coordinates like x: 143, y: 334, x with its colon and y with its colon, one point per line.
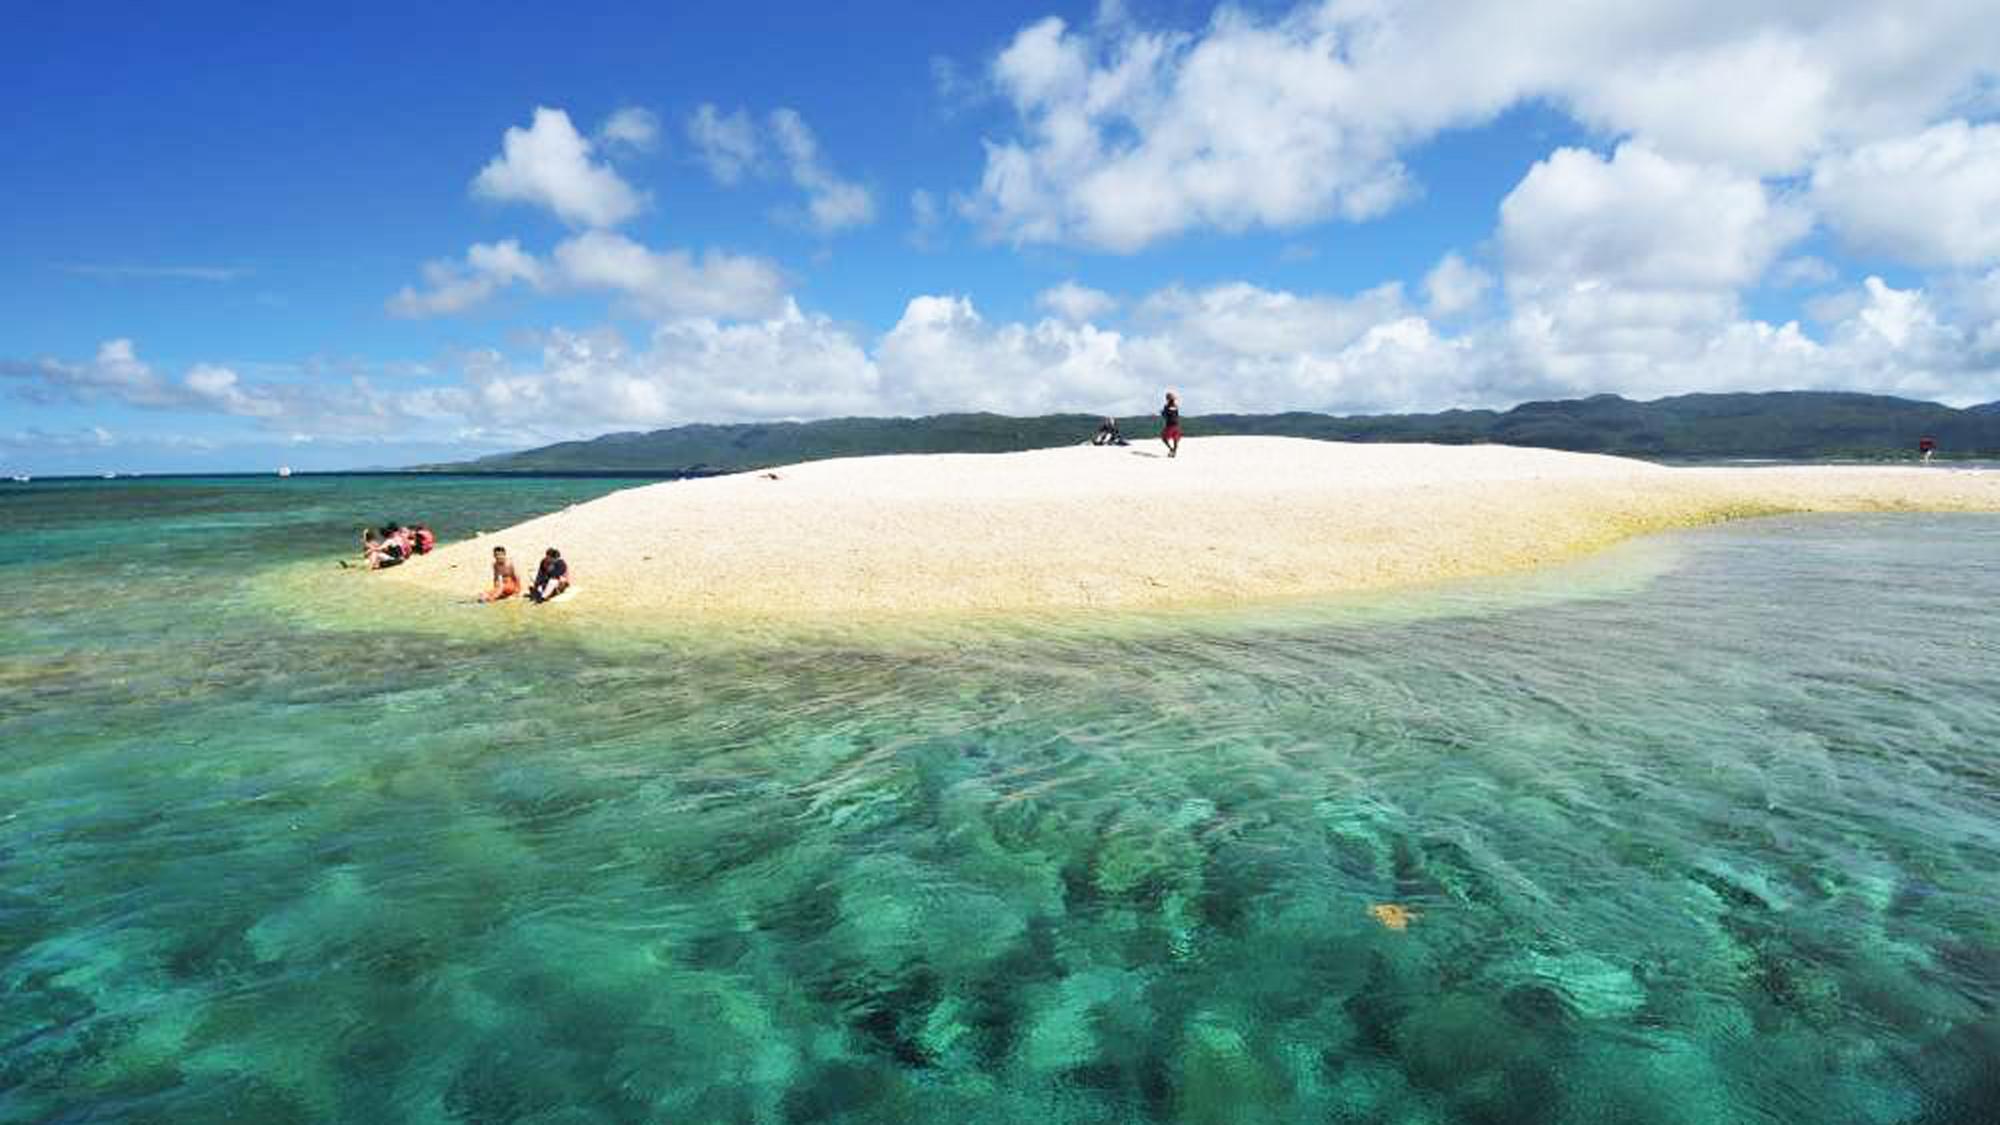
x: 1787, y: 424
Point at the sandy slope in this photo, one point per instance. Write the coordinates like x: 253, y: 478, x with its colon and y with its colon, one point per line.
x: 1232, y: 518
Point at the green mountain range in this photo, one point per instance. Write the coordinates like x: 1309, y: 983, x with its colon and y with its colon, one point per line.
x: 1791, y: 425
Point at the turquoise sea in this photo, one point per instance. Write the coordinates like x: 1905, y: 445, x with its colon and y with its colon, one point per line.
x: 1705, y: 830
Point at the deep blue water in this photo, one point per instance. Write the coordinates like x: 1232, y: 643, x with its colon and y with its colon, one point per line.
x: 1705, y: 832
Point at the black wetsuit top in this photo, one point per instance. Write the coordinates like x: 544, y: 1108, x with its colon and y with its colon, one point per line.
x: 549, y: 571
x: 1171, y: 415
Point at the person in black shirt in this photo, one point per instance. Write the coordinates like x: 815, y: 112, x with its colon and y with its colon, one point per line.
x: 1107, y: 433
x: 1170, y: 425
x: 551, y: 578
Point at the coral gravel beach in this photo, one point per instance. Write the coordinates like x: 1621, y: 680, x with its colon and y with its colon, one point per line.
x: 1233, y: 519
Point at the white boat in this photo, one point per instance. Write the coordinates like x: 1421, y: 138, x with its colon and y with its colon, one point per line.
x: 22, y: 478
x: 284, y: 470
x: 110, y: 476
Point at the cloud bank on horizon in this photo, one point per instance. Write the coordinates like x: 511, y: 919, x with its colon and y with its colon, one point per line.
x: 1735, y: 197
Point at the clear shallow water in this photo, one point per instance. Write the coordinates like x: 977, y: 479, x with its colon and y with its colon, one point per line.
x: 1717, y: 845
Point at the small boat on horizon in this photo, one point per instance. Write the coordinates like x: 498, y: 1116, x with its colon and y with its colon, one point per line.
x: 284, y: 470
x: 22, y: 478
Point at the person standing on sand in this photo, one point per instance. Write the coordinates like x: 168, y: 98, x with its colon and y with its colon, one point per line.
x: 1926, y: 448
x: 505, y: 582
x: 1170, y: 425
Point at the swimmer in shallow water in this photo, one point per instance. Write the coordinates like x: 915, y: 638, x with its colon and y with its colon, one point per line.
x: 506, y: 583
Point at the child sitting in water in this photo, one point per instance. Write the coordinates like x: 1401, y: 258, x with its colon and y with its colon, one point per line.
x: 505, y: 582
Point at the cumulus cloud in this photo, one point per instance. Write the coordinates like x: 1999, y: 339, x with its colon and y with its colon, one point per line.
x: 1455, y: 286
x: 662, y: 284
x: 1131, y: 136
x: 1232, y: 347
x: 1624, y: 271
x: 1640, y: 221
x: 670, y: 284
x: 1074, y: 302
x: 1127, y: 135
x: 631, y: 127
x: 1236, y: 347
x: 942, y: 355
x: 787, y: 365
x: 550, y: 164
x: 726, y: 143
x: 1931, y: 198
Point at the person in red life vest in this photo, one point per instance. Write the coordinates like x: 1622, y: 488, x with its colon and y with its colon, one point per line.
x: 1926, y: 447
x: 1170, y: 425
x: 425, y: 539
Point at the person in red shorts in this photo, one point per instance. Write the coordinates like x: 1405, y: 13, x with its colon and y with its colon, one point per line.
x: 1170, y: 425
x: 506, y: 583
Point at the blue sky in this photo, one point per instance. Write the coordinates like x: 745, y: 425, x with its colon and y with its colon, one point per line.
x: 239, y: 236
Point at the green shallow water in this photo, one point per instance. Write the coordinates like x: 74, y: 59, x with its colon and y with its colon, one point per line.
x: 1705, y: 831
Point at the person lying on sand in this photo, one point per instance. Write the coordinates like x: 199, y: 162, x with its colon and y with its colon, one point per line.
x: 1107, y: 434
x: 551, y: 578
x: 506, y: 583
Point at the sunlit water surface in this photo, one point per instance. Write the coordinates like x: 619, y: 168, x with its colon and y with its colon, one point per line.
x: 1706, y: 831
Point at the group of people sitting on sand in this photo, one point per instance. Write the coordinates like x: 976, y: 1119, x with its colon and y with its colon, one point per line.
x: 394, y: 543
x: 551, y: 578
x: 1170, y: 428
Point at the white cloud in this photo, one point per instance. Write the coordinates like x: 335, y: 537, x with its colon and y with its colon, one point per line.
x: 789, y: 365
x: 549, y: 163
x: 1074, y: 302
x: 223, y: 391
x: 631, y: 127
x: 1126, y: 135
x: 1932, y: 198
x: 1130, y: 136
x: 669, y: 284
x: 731, y: 146
x: 118, y: 375
x: 1623, y: 273
x: 663, y: 284
x: 1640, y: 220
x: 726, y: 143
x: 454, y: 287
x: 942, y: 355
x: 1455, y: 285
x: 1231, y: 347
x: 831, y: 202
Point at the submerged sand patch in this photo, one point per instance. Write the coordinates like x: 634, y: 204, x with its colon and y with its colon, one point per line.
x: 1232, y: 519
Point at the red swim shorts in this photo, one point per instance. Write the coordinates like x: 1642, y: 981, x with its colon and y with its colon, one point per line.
x: 1170, y: 433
